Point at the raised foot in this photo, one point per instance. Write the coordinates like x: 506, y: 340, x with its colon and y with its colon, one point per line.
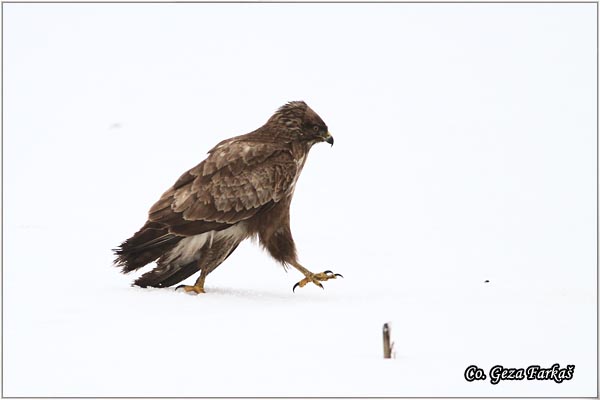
x: 317, y: 279
x: 190, y: 289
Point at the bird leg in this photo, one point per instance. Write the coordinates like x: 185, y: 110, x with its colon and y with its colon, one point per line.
x: 312, y: 277
x: 198, y: 286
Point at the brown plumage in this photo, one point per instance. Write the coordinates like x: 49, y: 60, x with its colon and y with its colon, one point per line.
x: 242, y: 189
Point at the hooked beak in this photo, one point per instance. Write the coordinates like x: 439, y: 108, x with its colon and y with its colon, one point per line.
x: 328, y: 138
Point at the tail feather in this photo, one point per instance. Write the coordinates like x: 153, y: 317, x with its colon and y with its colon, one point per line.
x: 165, y: 275
x: 169, y: 273
x: 154, y: 242
x: 145, y: 246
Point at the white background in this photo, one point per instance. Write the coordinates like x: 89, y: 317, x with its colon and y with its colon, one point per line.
x: 465, y: 151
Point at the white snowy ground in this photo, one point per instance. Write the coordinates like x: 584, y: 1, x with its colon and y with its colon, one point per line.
x: 465, y: 151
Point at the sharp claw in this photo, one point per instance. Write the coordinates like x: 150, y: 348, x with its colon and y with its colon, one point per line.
x: 179, y: 287
x: 294, y: 288
x: 328, y: 272
x: 321, y: 286
x: 340, y: 275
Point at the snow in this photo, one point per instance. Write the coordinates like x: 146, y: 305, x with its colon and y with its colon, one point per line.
x: 465, y: 152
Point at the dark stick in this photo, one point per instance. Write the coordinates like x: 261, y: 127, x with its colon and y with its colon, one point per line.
x: 387, y: 345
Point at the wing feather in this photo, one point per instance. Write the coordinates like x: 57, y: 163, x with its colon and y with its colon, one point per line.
x: 238, y: 179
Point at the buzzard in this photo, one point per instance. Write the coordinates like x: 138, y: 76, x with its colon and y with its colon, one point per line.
x: 243, y: 189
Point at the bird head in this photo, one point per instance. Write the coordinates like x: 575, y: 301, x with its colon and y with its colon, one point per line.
x: 297, y: 118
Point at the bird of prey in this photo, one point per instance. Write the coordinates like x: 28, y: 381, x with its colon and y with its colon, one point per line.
x: 243, y: 189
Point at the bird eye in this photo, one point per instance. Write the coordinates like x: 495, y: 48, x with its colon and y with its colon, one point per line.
x: 316, y: 128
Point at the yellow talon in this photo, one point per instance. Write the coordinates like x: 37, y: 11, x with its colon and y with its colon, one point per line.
x: 316, y: 279
x: 191, y: 289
